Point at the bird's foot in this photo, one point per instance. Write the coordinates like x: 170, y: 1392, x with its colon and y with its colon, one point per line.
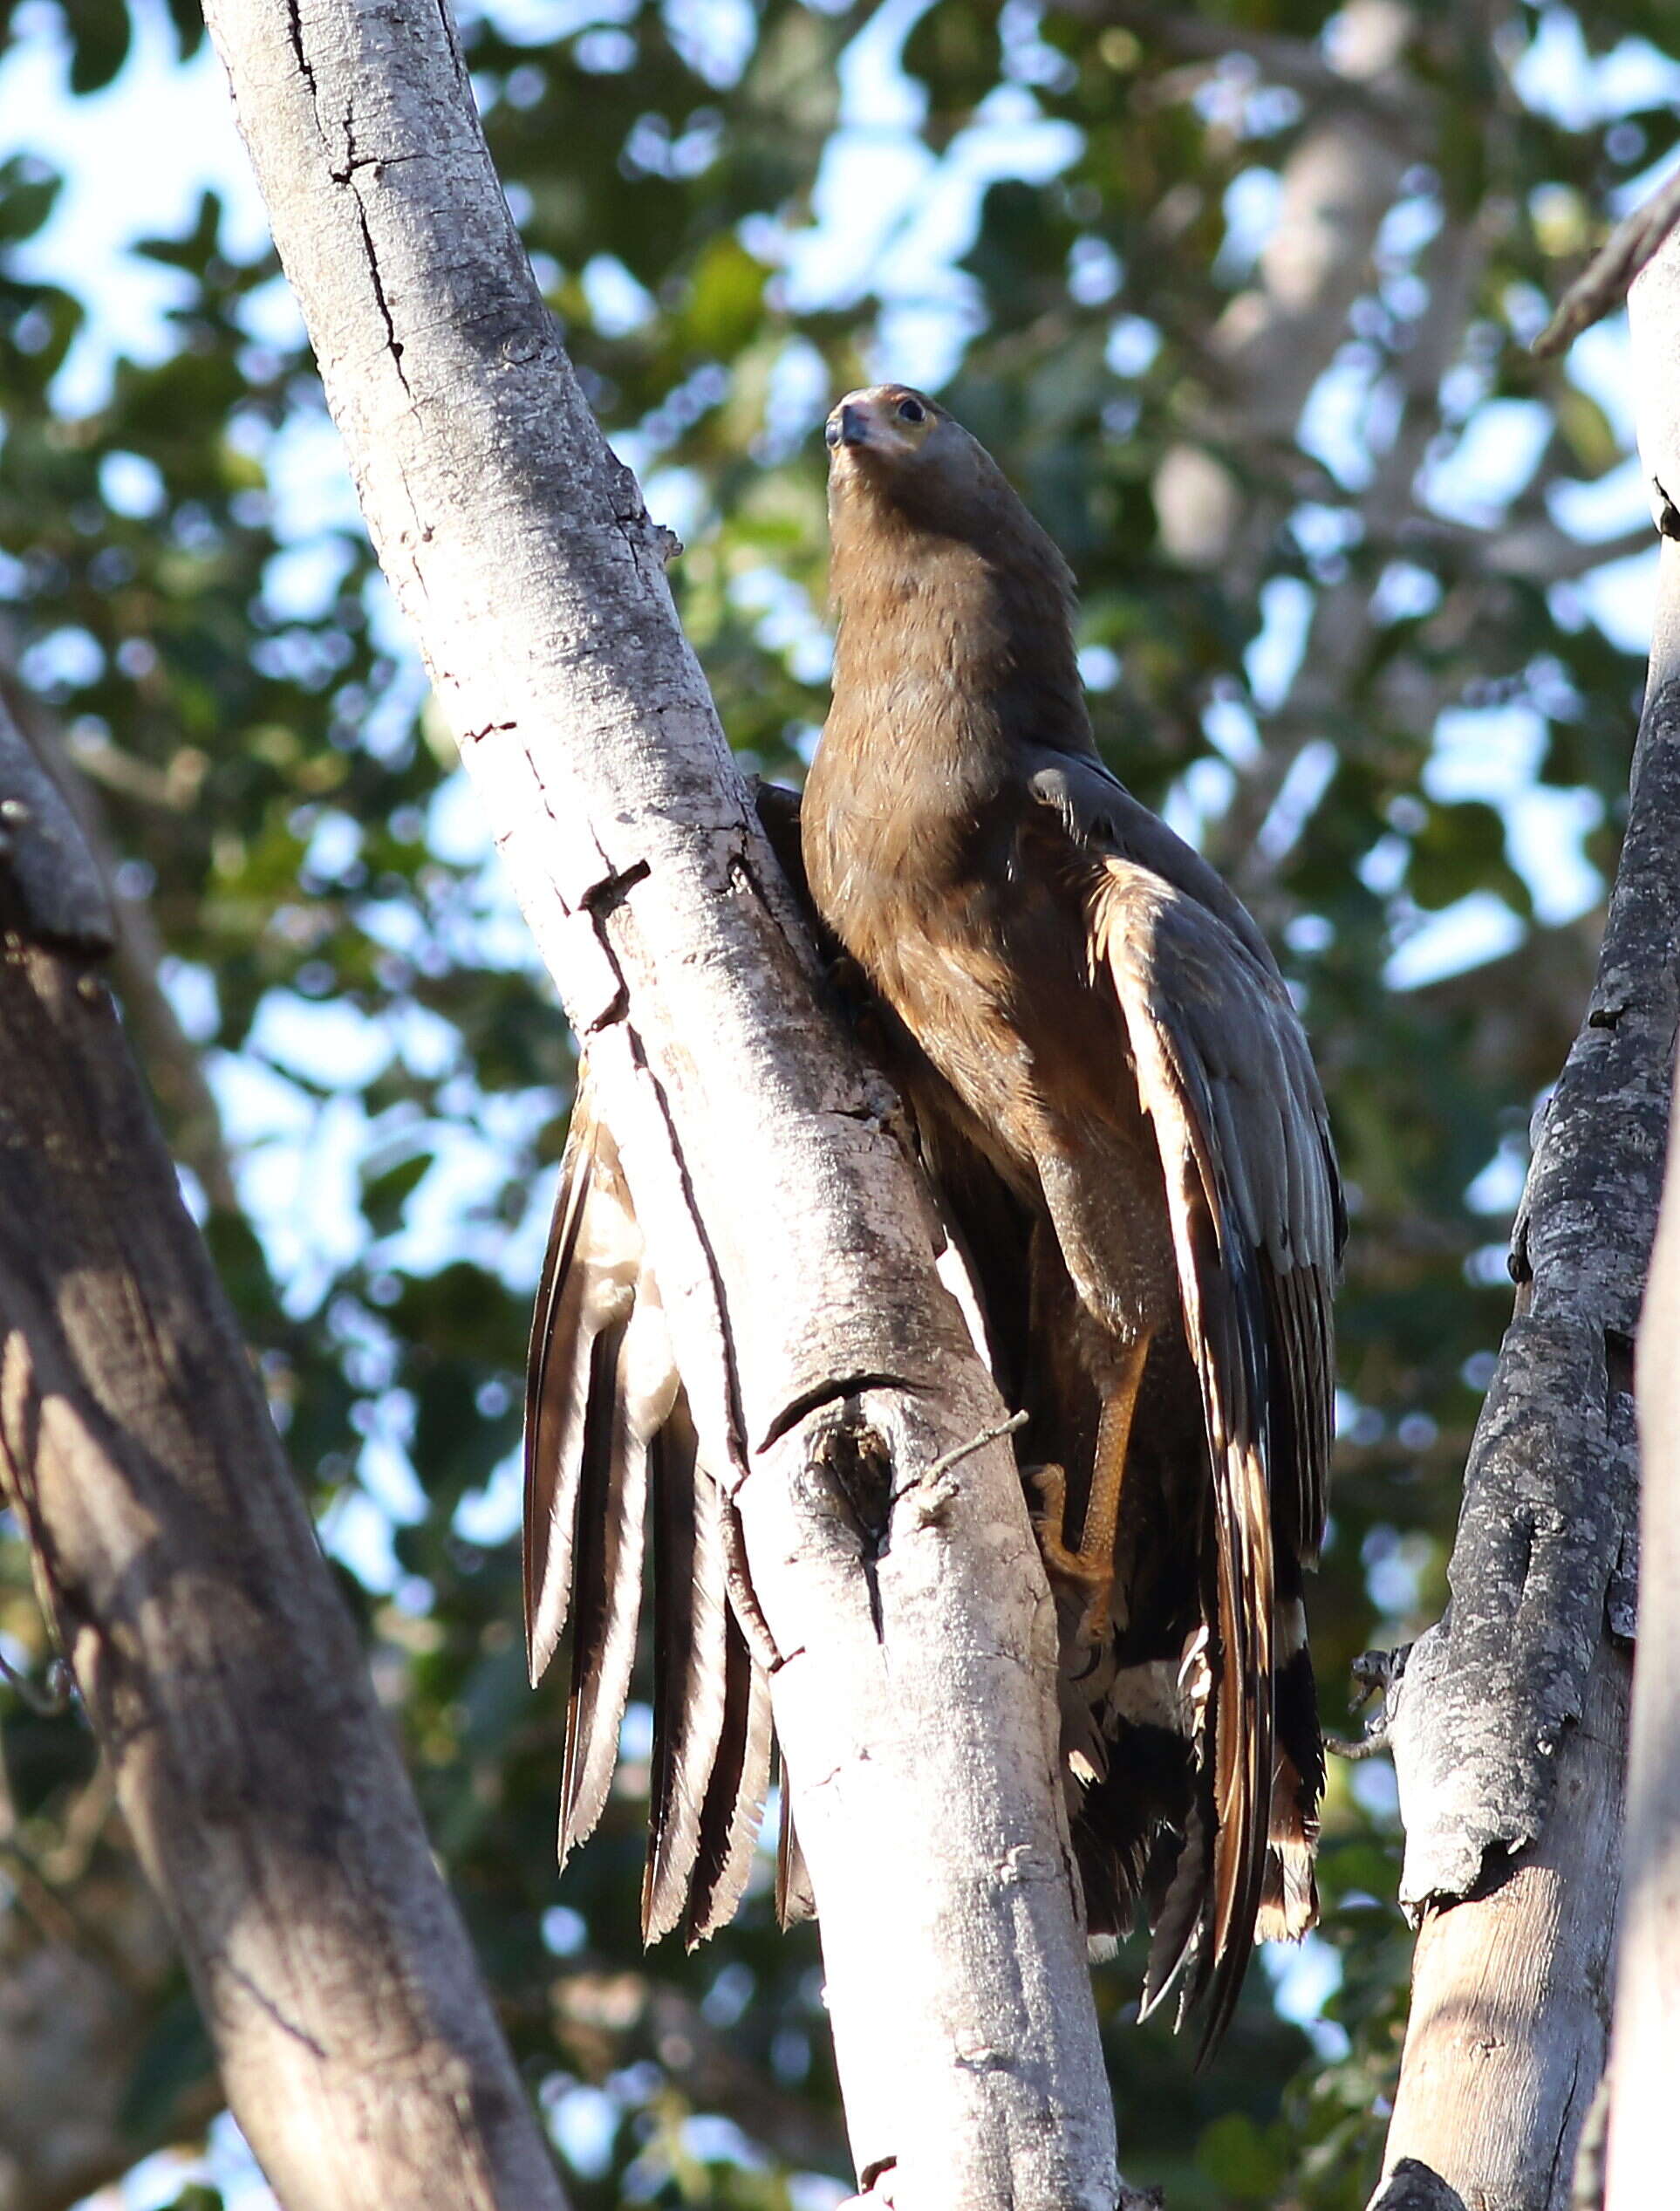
x: 1093, y: 1577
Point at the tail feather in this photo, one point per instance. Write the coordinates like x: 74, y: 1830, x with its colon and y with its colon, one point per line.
x: 735, y: 1795
x: 690, y: 1667
x: 605, y: 1421
x: 612, y: 1507
x: 1289, y: 1900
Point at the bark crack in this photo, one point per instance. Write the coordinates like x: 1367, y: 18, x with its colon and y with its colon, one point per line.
x: 393, y: 344
x: 266, y: 2003
x: 294, y: 30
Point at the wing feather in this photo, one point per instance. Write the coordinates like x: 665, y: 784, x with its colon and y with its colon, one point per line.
x: 1238, y: 1122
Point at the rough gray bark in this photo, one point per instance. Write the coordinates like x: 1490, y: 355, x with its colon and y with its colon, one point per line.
x: 1646, y: 2044
x: 906, y: 1617
x: 178, y: 1566
x: 1511, y: 1800
x: 1510, y: 1992
x: 1647, y: 2040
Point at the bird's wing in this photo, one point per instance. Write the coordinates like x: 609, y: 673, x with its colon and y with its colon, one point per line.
x: 1225, y: 1076
x: 608, y: 1431
x: 1266, y: 1109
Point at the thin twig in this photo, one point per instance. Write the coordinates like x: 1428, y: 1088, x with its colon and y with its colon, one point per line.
x: 1603, y: 283
x: 51, y: 1698
x: 944, y: 1463
x: 933, y: 1487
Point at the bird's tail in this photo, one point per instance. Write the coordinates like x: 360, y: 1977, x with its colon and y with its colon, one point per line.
x: 610, y: 1445
x: 1289, y: 1893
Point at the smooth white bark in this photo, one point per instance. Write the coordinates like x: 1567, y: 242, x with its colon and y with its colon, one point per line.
x: 913, y: 1653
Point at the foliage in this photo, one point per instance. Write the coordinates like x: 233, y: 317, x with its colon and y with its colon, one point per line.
x: 1393, y: 690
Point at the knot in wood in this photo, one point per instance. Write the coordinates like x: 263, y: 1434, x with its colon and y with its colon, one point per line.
x: 854, y: 1461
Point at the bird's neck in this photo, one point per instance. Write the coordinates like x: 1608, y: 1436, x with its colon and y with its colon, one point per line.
x: 951, y: 649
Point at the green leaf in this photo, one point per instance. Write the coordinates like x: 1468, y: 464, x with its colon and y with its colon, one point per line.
x: 98, y: 42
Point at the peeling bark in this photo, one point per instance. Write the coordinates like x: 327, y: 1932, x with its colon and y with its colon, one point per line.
x: 1505, y: 1860
x: 178, y: 1566
x: 910, y: 1633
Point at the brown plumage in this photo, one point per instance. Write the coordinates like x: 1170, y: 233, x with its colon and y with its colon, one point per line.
x: 1114, y: 1101
x: 1107, y: 1031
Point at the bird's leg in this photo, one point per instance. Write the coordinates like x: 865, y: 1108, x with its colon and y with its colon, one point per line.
x: 1092, y: 1567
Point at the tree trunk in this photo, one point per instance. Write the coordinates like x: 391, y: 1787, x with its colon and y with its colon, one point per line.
x: 1510, y: 1720
x: 176, y: 1562
x: 903, y: 1610
x: 1646, y: 2052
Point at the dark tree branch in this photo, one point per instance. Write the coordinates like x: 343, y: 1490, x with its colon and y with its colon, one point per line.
x: 173, y: 1066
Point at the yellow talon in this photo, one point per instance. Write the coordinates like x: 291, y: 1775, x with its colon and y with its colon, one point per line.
x: 1091, y: 1567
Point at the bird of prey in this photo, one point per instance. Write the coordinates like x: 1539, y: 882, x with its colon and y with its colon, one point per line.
x: 1114, y: 1100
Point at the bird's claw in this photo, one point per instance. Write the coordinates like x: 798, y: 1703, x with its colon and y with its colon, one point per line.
x: 1092, y: 1578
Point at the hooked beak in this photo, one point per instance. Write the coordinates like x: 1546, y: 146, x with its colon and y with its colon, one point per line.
x: 848, y: 427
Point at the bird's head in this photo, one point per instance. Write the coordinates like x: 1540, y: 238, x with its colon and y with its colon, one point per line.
x: 886, y: 427
x: 904, y: 473
x: 890, y: 445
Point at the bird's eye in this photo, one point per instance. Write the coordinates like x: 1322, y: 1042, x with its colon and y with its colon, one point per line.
x: 911, y: 411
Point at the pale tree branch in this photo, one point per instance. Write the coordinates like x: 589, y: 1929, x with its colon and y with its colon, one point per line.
x: 1511, y: 1722
x: 1339, y: 633
x: 176, y: 1563
x: 914, y: 1681
x: 1646, y: 2055
x: 1276, y: 337
x: 1532, y: 549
